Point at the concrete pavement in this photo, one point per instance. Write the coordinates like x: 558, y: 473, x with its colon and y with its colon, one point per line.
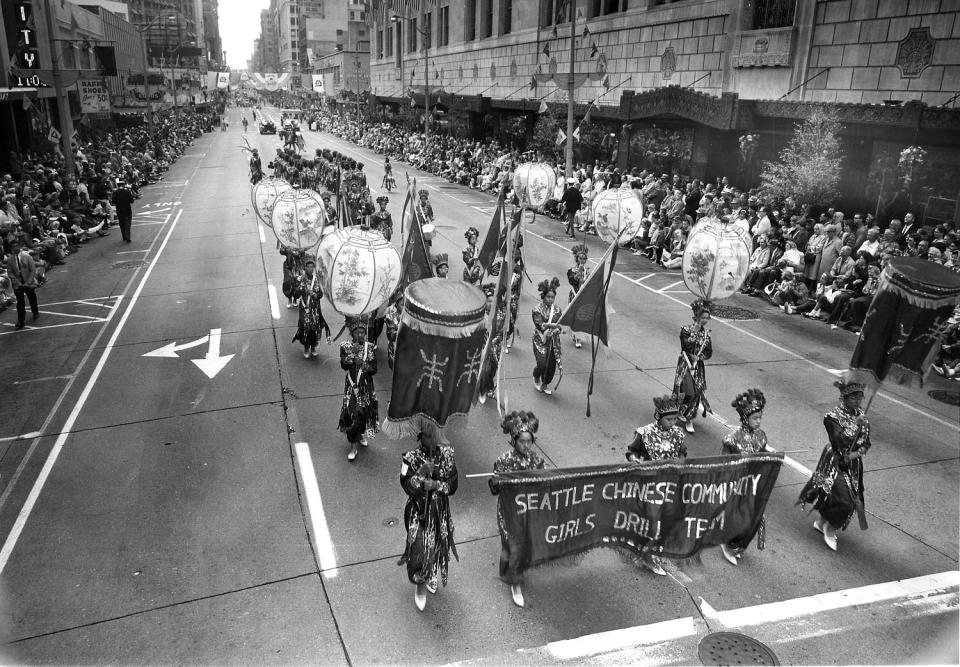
x: 175, y: 524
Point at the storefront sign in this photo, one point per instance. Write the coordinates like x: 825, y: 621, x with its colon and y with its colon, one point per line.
x: 94, y: 96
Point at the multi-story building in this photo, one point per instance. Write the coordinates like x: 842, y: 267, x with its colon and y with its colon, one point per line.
x: 268, y: 41
x: 213, y: 44
x: 710, y: 71
x: 175, y: 28
x: 344, y: 71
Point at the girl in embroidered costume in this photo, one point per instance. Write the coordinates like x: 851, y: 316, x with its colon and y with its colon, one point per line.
x: 836, y: 487
x: 293, y: 259
x: 576, y: 276
x: 471, y: 257
x: 522, y: 429
x: 487, y: 383
x: 546, y: 336
x: 382, y: 221
x: 310, y: 325
x: 690, y: 382
x: 748, y: 439
x: 658, y: 441
x: 428, y: 475
x: 359, y: 414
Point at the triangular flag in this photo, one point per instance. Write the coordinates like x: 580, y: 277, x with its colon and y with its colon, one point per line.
x: 488, y: 249
x: 576, y: 134
x: 593, y: 49
x: 415, y: 261
x: 561, y: 136
x: 606, y: 81
x: 602, y: 62
x: 533, y: 83
x: 586, y: 30
x: 586, y: 116
x: 587, y: 313
x: 436, y: 74
x: 553, y: 33
x: 579, y: 13
x: 543, y: 107
x: 546, y: 50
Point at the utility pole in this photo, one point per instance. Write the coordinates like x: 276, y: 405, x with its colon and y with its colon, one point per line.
x: 571, y: 83
x: 62, y: 97
x: 424, y: 35
x: 356, y: 71
x: 146, y: 79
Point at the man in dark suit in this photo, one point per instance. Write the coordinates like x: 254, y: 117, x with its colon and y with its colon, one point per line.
x: 123, y: 201
x: 22, y: 271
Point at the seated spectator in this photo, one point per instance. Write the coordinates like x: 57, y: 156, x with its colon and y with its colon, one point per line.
x: 759, y: 260
x: 947, y: 361
x: 855, y: 310
x: 826, y: 298
x: 673, y: 257
x: 792, y: 293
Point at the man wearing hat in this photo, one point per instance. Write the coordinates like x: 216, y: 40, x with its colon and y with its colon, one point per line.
x: 835, y: 489
x: 382, y: 220
x: 123, y: 201
x: 571, y: 201
x: 22, y: 270
x: 442, y: 264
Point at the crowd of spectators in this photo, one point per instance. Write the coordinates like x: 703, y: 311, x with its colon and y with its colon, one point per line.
x: 53, y: 212
x: 814, y: 261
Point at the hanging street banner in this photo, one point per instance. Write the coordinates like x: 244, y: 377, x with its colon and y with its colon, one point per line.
x: 668, y: 508
x: 94, y: 96
x: 318, y: 83
x: 223, y: 79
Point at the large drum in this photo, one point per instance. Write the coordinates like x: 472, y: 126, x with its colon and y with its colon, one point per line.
x: 904, y: 325
x: 716, y: 259
x: 439, y: 346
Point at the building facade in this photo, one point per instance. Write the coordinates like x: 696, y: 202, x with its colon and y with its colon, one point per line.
x: 703, y: 71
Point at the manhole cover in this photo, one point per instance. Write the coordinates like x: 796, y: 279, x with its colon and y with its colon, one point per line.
x: 948, y: 397
x: 127, y: 265
x: 561, y: 237
x: 733, y: 648
x: 391, y: 521
x: 733, y: 312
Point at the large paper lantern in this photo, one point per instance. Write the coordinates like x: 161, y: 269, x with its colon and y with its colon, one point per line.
x: 299, y: 218
x: 264, y: 196
x: 716, y: 259
x: 617, y: 215
x: 534, y: 182
x: 359, y: 270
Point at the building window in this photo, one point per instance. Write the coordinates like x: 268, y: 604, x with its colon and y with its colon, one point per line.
x: 773, y: 14
x: 379, y: 44
x: 469, y: 20
x: 427, y: 35
x: 388, y: 39
x: 486, y: 19
x: 399, y: 51
x: 412, y: 36
x: 506, y: 16
x: 443, y: 34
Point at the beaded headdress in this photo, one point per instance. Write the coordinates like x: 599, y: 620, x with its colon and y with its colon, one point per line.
x: 547, y: 286
x: 701, y: 306
x: 471, y: 231
x: 847, y: 388
x: 520, y: 421
x: 665, y: 405
x: 356, y: 322
x: 441, y: 259
x: 749, y: 402
x: 580, y: 251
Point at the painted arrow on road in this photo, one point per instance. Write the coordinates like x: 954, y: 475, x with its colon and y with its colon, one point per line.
x: 211, y: 364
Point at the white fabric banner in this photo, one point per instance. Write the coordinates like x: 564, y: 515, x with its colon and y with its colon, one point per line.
x: 318, y: 83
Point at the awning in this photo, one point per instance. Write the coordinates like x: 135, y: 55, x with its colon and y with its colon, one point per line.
x: 7, y: 94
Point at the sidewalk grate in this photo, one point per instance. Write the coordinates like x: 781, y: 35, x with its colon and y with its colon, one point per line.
x: 948, y: 397
x: 733, y: 648
x: 733, y: 312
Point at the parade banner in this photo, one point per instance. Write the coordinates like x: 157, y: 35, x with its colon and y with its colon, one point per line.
x: 318, y: 83
x: 668, y: 508
x: 223, y: 79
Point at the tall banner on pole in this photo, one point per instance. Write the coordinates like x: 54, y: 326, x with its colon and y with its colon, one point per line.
x: 318, y: 83
x: 223, y: 79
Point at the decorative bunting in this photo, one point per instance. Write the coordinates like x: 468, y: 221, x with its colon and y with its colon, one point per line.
x: 586, y: 116
x: 543, y: 108
x: 546, y: 50
x: 533, y: 83
x: 593, y: 50
x: 586, y: 30
x: 606, y: 81
x: 561, y: 136
x: 576, y: 134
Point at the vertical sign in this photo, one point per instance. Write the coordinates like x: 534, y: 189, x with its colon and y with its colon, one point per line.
x: 26, y: 53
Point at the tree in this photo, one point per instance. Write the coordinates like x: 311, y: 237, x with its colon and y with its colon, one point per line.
x: 809, y: 167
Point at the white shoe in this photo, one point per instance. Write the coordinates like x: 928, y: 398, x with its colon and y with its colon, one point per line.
x: 306, y: 354
x: 352, y: 454
x: 729, y: 554
x: 689, y: 427
x: 653, y: 564
x: 482, y: 398
x: 420, y: 597
x: 313, y: 351
x: 578, y: 344
x: 830, y: 537
x: 548, y: 391
x: 289, y: 304
x: 537, y: 385
x: 517, y: 594
x: 363, y: 440
x: 431, y: 585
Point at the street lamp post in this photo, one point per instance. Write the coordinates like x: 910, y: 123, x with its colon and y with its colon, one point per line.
x: 426, y: 76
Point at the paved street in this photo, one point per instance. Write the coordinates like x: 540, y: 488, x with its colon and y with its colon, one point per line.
x: 158, y: 510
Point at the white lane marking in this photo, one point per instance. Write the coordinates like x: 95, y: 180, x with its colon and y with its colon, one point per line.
x: 669, y: 287
x: 144, y: 224
x: 641, y: 278
x: 656, y: 633
x: 880, y: 394
x: 796, y: 465
x: 263, y: 237
x: 38, y: 485
x: 318, y: 520
x: 131, y: 252
x: 274, y: 303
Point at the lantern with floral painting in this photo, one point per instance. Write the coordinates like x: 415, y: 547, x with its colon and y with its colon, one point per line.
x: 617, y: 215
x: 359, y: 270
x: 298, y: 219
x: 533, y: 183
x: 716, y: 259
x: 264, y: 196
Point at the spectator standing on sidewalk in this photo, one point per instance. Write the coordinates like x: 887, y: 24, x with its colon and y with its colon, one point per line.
x: 572, y: 200
x: 123, y: 201
x: 22, y: 271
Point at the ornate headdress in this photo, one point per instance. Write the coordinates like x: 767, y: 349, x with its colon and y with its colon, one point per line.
x: 665, y: 405
x: 518, y: 422
x: 580, y: 251
x: 471, y: 231
x: 548, y: 286
x: 847, y: 388
x: 423, y: 193
x: 383, y: 199
x: 750, y: 401
x: 489, y: 289
x: 441, y: 259
x: 356, y: 322
x: 701, y: 306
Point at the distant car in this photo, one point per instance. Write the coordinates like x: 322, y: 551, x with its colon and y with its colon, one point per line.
x: 268, y: 128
